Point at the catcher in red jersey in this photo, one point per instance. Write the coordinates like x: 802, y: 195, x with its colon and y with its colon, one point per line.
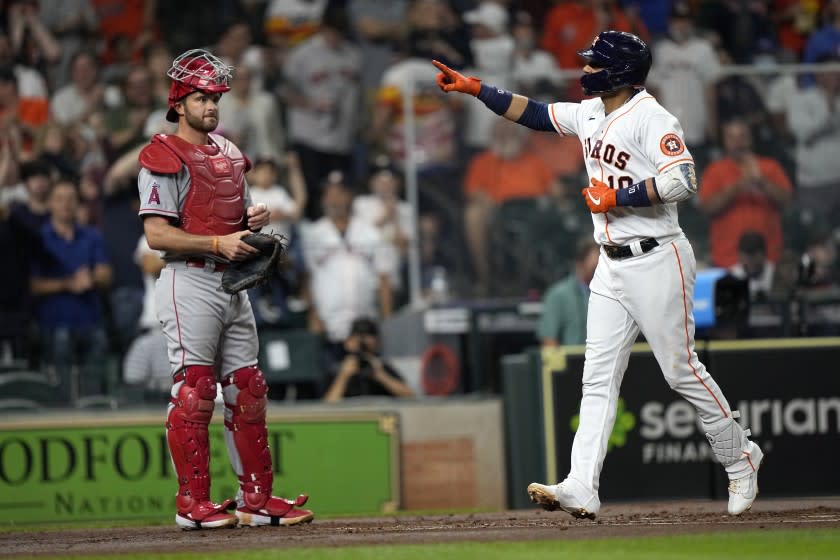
x: 196, y: 209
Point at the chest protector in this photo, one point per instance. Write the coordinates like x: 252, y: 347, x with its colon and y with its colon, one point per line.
x: 215, y: 203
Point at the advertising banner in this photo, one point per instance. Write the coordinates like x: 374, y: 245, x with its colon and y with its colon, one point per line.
x: 788, y: 394
x: 347, y: 464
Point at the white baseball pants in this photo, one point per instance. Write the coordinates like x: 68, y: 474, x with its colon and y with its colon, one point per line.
x: 654, y: 293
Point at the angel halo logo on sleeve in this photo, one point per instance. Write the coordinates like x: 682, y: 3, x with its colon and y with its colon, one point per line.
x: 154, y: 195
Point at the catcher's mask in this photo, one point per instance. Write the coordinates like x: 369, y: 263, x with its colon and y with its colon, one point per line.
x: 196, y: 70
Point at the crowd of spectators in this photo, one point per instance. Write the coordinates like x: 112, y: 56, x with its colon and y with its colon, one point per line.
x: 317, y: 104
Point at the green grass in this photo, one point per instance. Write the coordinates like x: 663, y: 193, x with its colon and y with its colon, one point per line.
x: 752, y: 545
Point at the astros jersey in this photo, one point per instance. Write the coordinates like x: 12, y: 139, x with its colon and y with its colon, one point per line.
x: 638, y: 140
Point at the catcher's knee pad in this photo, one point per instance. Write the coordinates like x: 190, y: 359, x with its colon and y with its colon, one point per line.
x: 189, y: 414
x: 248, y: 400
x: 194, y: 394
x: 245, y: 403
x: 728, y: 439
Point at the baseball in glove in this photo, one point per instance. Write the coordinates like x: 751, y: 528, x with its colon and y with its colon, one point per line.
x: 241, y: 275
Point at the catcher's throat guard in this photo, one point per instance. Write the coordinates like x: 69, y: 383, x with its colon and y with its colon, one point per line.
x: 243, y: 275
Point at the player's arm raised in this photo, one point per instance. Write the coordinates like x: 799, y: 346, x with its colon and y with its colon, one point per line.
x: 512, y: 106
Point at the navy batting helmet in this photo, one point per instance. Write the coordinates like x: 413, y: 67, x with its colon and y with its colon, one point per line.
x: 624, y: 58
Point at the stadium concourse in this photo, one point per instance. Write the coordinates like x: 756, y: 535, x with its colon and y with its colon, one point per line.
x: 617, y: 520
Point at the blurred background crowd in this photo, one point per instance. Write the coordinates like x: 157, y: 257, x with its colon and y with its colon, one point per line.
x: 318, y: 104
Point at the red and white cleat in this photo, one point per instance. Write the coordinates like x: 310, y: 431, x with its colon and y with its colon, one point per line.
x: 206, y: 515
x: 276, y: 512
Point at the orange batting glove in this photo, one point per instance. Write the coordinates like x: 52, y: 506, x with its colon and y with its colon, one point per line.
x: 452, y: 80
x: 599, y: 197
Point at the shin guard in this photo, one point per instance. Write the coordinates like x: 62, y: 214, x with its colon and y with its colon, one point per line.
x: 188, y: 417
x: 731, y: 445
x: 245, y: 403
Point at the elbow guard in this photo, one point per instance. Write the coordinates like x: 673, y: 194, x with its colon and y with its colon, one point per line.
x: 676, y: 184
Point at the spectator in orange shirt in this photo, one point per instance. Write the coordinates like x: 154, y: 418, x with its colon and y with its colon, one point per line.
x: 742, y: 192
x: 503, y: 172
x: 134, y: 20
x: 572, y: 25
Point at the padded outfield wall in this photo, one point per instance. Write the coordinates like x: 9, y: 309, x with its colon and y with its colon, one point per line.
x: 787, y: 391
x: 364, y: 456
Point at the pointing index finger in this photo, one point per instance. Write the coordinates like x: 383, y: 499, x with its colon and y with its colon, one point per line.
x: 441, y: 66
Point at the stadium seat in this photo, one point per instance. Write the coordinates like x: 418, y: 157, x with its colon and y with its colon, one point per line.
x: 18, y: 405
x: 28, y: 386
x: 533, y: 243
x: 511, y: 247
x: 797, y: 226
x: 290, y: 356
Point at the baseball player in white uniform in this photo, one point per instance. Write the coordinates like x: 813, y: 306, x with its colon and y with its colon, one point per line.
x: 195, y: 207
x: 639, y: 170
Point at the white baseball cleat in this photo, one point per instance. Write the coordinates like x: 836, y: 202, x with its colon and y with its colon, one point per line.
x: 743, y: 491
x: 569, y: 496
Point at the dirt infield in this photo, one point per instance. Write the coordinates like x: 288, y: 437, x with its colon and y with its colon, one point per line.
x: 616, y: 520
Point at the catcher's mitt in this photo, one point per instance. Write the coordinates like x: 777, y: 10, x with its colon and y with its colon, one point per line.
x: 241, y: 275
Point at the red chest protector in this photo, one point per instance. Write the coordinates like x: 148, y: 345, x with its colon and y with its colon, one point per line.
x: 215, y: 203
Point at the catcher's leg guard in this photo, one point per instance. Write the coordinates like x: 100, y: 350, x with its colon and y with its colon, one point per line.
x: 189, y: 413
x: 247, y: 439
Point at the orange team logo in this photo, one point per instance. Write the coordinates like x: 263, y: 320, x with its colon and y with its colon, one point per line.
x: 154, y: 196
x: 671, y: 145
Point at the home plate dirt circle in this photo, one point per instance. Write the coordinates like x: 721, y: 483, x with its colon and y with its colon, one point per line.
x: 615, y: 520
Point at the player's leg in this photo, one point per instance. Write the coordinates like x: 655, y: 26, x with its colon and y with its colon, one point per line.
x: 192, y: 312
x: 246, y: 435
x: 665, y: 315
x: 610, y: 333
x: 188, y: 418
x: 191, y: 326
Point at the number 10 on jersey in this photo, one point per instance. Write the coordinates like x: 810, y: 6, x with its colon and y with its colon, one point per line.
x: 609, y: 154
x: 623, y: 182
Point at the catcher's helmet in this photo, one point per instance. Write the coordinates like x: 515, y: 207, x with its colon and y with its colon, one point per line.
x: 196, y: 70
x: 624, y: 58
